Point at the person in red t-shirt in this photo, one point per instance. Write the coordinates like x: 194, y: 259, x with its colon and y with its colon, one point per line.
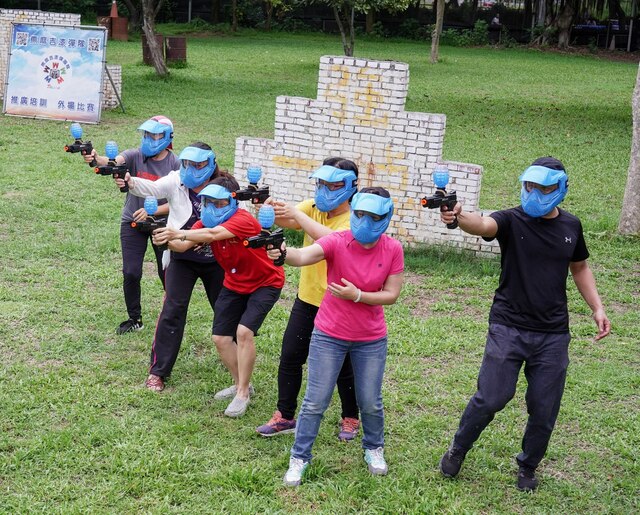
x: 251, y: 287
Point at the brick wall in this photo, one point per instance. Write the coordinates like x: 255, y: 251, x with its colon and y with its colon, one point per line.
x: 359, y: 114
x: 9, y: 16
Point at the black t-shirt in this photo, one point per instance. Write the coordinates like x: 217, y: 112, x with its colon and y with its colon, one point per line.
x: 535, y: 258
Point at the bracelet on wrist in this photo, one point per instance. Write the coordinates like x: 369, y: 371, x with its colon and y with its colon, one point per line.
x: 184, y: 236
x: 357, y: 299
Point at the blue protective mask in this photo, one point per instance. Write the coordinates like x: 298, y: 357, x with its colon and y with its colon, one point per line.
x: 211, y: 215
x: 152, y: 147
x: 327, y: 200
x: 537, y: 204
x: 158, y: 125
x: 364, y: 229
x: 534, y: 202
x: 191, y: 176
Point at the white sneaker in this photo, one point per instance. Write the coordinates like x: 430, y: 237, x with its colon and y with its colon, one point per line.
x: 375, y: 461
x: 230, y: 393
x: 293, y: 477
x: 237, y: 407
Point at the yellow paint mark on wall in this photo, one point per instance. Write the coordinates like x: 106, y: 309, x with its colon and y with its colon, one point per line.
x: 294, y: 163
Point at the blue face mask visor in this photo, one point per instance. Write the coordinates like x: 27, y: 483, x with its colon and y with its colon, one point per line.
x: 197, y: 155
x: 192, y: 176
x: 212, y: 216
x: 372, y: 203
x: 155, y: 127
x: 543, y: 176
x: 332, y: 174
x: 328, y: 199
x: 217, y: 192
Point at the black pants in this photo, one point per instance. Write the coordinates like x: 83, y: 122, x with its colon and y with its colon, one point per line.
x: 546, y: 358
x: 134, y: 246
x: 295, y: 350
x: 181, y: 277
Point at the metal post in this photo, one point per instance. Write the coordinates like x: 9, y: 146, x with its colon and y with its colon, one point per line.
x: 189, y: 15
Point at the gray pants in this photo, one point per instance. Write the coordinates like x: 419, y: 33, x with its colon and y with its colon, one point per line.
x: 546, y: 358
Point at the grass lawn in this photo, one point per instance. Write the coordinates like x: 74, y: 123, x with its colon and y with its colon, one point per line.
x: 80, y: 434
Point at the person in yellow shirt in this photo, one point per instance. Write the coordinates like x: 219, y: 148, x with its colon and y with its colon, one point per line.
x: 328, y: 211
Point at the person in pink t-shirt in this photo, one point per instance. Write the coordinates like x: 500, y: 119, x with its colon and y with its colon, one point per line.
x: 364, y: 272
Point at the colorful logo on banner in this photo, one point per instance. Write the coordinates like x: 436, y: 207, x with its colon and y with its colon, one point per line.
x: 69, y: 63
x: 55, y: 68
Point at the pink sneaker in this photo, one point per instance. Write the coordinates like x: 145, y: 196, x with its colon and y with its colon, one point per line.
x: 348, y: 429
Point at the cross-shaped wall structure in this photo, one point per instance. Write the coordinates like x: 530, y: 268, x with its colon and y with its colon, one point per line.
x: 359, y: 115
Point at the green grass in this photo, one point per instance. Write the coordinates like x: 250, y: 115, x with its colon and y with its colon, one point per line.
x: 79, y: 433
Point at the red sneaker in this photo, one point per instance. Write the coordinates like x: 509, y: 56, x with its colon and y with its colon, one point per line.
x: 348, y: 429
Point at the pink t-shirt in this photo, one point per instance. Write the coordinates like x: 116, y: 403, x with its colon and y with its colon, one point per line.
x: 368, y: 270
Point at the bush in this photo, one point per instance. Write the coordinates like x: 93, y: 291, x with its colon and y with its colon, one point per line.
x: 478, y: 36
x: 413, y: 29
x: 379, y: 31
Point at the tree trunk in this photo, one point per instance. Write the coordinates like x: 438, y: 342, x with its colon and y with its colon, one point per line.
x: 437, y: 30
x: 134, y: 14
x: 548, y: 21
x: 564, y: 22
x: 234, y: 15
x: 630, y: 216
x: 215, y: 11
x: 148, y: 26
x: 268, y: 8
x: 348, y: 40
x: 370, y: 20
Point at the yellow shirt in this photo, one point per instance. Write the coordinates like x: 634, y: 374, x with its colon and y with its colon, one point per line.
x: 313, y: 278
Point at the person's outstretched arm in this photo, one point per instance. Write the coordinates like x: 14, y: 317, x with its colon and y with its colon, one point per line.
x: 473, y: 223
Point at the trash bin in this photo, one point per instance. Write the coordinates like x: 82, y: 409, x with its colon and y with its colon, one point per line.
x: 119, y: 29
x: 176, y: 49
x: 146, y: 53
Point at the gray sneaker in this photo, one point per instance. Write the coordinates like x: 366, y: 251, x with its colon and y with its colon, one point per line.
x: 375, y: 461
x: 230, y: 393
x: 237, y: 407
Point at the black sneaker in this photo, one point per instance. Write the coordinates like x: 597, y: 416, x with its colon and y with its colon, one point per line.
x: 452, y: 460
x: 129, y: 326
x: 527, y: 480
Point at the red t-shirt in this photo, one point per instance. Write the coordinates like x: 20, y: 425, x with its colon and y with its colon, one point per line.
x: 245, y: 269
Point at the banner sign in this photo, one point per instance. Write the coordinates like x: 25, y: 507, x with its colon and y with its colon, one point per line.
x: 56, y: 72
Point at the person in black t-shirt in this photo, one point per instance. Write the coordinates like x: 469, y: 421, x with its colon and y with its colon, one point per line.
x: 529, y: 319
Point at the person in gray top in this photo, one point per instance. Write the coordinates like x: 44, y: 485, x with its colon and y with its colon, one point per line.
x: 152, y: 160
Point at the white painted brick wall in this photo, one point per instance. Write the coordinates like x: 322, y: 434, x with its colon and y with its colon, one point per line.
x: 9, y: 16
x: 359, y: 115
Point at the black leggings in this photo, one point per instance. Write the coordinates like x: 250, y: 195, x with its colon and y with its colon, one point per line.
x: 181, y: 277
x: 134, y: 246
x: 295, y: 350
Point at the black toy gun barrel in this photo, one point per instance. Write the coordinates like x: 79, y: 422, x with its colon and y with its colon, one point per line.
x: 84, y: 147
x: 150, y: 224
x: 268, y: 240
x: 252, y: 193
x: 115, y: 170
x: 442, y: 199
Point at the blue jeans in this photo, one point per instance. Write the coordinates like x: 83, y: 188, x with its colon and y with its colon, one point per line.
x: 326, y: 356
